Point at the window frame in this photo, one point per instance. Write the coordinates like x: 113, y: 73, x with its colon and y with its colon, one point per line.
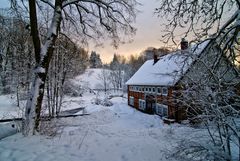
x: 159, y: 90
x: 142, y: 104
x: 137, y: 89
x: 166, y: 90
x: 161, y: 107
x: 130, y: 88
x: 165, y: 113
x: 153, y: 89
x: 143, y: 89
x: 150, y: 89
x: 131, y: 100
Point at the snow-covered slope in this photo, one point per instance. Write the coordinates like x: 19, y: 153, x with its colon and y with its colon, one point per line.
x: 91, y: 78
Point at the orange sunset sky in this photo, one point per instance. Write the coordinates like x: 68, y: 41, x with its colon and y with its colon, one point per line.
x: 148, y: 34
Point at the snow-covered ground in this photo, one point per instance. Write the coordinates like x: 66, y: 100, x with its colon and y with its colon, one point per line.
x: 116, y: 133
x: 8, y: 107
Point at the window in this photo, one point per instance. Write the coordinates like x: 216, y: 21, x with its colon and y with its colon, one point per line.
x: 137, y: 88
x: 162, y: 110
x: 133, y: 88
x: 164, y: 91
x: 130, y: 88
x: 158, y: 109
x: 159, y: 90
x: 141, y: 104
x: 153, y: 89
x: 131, y: 101
x: 165, y: 111
x: 150, y: 89
x: 146, y: 89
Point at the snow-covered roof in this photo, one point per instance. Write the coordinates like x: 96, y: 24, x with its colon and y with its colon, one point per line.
x: 169, y: 68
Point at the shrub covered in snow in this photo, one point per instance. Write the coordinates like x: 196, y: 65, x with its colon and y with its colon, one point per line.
x: 73, y: 90
x: 115, y: 95
x: 96, y: 101
x: 104, y: 102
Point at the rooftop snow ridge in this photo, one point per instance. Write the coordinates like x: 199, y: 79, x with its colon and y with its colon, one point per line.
x: 168, y: 69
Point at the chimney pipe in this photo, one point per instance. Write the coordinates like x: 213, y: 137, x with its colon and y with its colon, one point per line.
x: 184, y: 44
x: 155, y: 57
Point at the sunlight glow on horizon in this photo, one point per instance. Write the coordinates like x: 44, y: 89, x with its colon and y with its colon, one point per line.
x: 148, y: 34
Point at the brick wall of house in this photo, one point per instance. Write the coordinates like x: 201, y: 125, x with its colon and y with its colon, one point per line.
x: 136, y: 95
x: 174, y: 112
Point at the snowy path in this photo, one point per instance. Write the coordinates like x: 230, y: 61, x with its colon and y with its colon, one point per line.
x: 117, y: 133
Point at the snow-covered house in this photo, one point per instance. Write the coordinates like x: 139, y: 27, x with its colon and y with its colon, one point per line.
x: 152, y: 88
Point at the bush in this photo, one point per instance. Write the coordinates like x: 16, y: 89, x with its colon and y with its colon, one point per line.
x: 96, y: 101
x: 104, y: 102
x: 73, y: 90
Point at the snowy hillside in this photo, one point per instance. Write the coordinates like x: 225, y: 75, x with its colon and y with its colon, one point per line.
x: 91, y: 78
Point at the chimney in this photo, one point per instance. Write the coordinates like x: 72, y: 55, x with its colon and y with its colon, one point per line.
x: 155, y: 57
x: 184, y: 44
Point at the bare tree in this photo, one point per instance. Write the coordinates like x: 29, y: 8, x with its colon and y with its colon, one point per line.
x: 104, y: 77
x: 117, y: 73
x: 213, y: 97
x: 89, y: 19
x: 16, y: 50
x: 67, y: 62
x: 210, y: 96
x: 216, y: 20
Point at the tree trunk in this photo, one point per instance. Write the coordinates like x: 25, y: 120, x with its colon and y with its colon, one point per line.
x: 48, y: 98
x: 43, y: 55
x: 228, y: 146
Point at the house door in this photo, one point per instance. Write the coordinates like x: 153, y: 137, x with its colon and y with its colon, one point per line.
x: 150, y: 103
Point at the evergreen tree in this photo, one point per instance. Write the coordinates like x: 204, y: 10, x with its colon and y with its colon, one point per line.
x: 95, y: 60
x: 115, y: 62
x: 98, y: 61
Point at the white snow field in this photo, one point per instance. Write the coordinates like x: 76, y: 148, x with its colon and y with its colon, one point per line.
x: 116, y: 133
